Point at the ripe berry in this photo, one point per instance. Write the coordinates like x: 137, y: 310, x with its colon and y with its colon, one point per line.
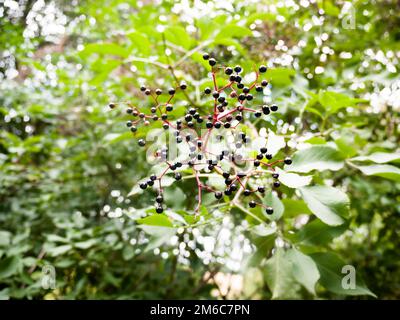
x: 159, y: 209
x: 215, y: 94
x: 133, y: 129
x: 190, y: 124
x: 179, y: 139
x: 263, y: 150
x: 232, y: 78
x: 259, y: 89
x: 129, y: 124
x: 246, y: 192
x: 212, y: 62
x: 241, y: 175
x: 238, y: 69
x: 207, y: 90
x: 147, y: 92
x: 217, y: 125
x: 129, y: 111
x: 242, y: 96
x: 188, y: 137
x: 164, y: 116
x: 112, y: 105
x: 142, y: 88
x: 218, y: 194
x: 257, y: 114
x: 206, y: 56
x: 239, y: 117
x: 275, y: 175
x: 221, y: 99
x: 238, y: 79
x: 277, y: 184
x: 264, y: 83
x: 143, y: 185
x: 153, y: 177
x: 183, y: 85
x: 159, y: 199
x: 265, y: 110
x: 209, y: 125
x: 150, y: 182
x: 142, y: 115
x: 142, y: 142
x: 169, y: 107
x: 268, y: 156
x: 165, y: 126
x: 171, y: 91
x: 256, y: 163
x: 227, y: 125
x: 158, y: 91
x: 188, y: 118
x: 261, y: 189
x: 287, y: 161
x: 252, y: 204
x: 269, y: 210
x: 262, y: 69
x: 260, y: 156
x: 274, y: 107
x: 249, y: 97
x: 233, y: 187
x: 240, y: 85
x: 228, y: 71
x: 178, y: 176
x: 228, y: 192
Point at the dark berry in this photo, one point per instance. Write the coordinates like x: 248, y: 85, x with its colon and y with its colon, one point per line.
x: 217, y: 125
x: 178, y: 176
x: 183, y: 85
x: 265, y: 110
x: 215, y: 94
x: 264, y: 83
x: 129, y: 124
x: 238, y: 69
x: 268, y: 156
x: 159, y: 209
x: 274, y: 107
x: 257, y: 114
x: 256, y: 163
x: 143, y: 185
x: 133, y: 129
x: 142, y: 88
x: 269, y: 210
x: 209, y: 124
x: 275, y: 175
x: 287, y: 161
x: 218, y: 194
x: 262, y: 69
x: 212, y: 62
x: 165, y: 126
x: 158, y: 91
x: 261, y: 189
x: 159, y: 199
x: 171, y: 91
x: 263, y: 150
x: 228, y: 71
x: 246, y: 192
x: 147, y: 92
x: 207, y: 90
x: 228, y: 192
x: 150, y: 182
x: 259, y: 89
x: 153, y: 177
x: 252, y: 204
x: 129, y: 111
x: 206, y: 56
x: 227, y: 125
x: 260, y: 156
x: 112, y: 105
x: 141, y: 142
x: 277, y: 184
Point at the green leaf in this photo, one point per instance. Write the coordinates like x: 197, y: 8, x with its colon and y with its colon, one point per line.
x: 379, y: 157
x: 178, y: 36
x: 316, y: 157
x: 278, y: 275
x: 85, y: 244
x: 293, y: 180
x: 330, y: 267
x: 327, y: 203
x: 104, y: 48
x: 57, y: 251
x: 156, y: 220
x: 5, y: 238
x: 381, y: 170
x: 295, y: 207
x: 305, y: 270
x: 280, y: 77
x: 159, y: 235
x: 333, y: 101
x: 233, y: 31
x: 273, y: 201
x: 317, y: 233
x: 9, y: 266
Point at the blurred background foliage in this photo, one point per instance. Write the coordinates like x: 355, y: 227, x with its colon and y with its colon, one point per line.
x: 68, y: 164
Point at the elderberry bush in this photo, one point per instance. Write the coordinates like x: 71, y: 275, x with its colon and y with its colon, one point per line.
x: 211, y: 139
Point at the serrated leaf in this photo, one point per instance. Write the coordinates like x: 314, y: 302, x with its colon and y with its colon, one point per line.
x: 293, y: 180
x: 317, y: 233
x: 317, y: 157
x: 273, y: 201
x: 379, y: 157
x: 381, y: 170
x: 327, y: 203
x: 156, y: 220
x: 330, y: 267
x: 305, y: 270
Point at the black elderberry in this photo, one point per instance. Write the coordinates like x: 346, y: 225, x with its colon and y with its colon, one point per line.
x: 246, y: 90
x: 147, y: 92
x: 265, y: 110
x: 158, y: 92
x: 141, y: 142
x: 153, y: 177
x: 275, y: 175
x: 153, y: 109
x: 228, y: 181
x: 133, y: 129
x: 112, y: 105
x: 268, y: 156
x: 241, y: 175
x: 165, y: 126
x: 238, y: 69
x: 190, y: 124
x: 263, y: 150
x: 256, y: 163
x: 257, y: 114
x: 246, y: 192
x: 192, y: 111
x: 262, y: 69
x: 233, y: 187
x: 249, y: 97
x: 269, y: 210
x: 142, y: 115
x: 169, y: 107
x: 240, y: 85
x: 238, y: 79
x: 242, y: 97
x: 277, y: 184
x: 179, y: 139
x: 199, y: 143
x: 129, y: 124
x: 212, y: 62
x: 210, y: 167
x: 217, y: 125
x: 260, y: 156
x: 239, y: 117
x: 183, y: 85
x: 155, y: 117
x: 188, y: 118
x: 232, y: 78
x: 259, y: 89
x: 228, y: 71
x: 188, y: 137
x: 261, y: 189
x: 215, y: 94
x: 274, y: 107
x: 171, y: 91
x: 252, y: 204
x: 159, y: 209
x: 207, y: 90
x: 228, y: 192
x: 159, y: 199
x: 218, y: 194
x: 143, y: 185
x: 264, y: 83
x: 227, y: 125
x: 221, y: 99
x: 142, y: 88
x: 209, y: 124
x: 199, y: 157
x: 287, y: 161
x: 206, y: 56
x: 225, y: 175
x: 178, y: 176
x: 178, y: 164
x: 129, y: 110
x: 150, y: 182
x: 164, y: 116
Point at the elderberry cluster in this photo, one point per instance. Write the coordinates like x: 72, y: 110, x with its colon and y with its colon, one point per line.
x: 229, y: 106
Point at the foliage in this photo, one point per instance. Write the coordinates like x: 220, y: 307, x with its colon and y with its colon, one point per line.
x: 68, y: 165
